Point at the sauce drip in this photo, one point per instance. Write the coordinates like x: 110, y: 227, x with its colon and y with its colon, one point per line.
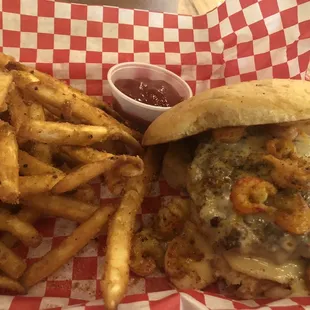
x: 156, y: 93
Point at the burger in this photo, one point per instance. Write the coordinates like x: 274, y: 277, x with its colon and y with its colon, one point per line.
x: 242, y: 153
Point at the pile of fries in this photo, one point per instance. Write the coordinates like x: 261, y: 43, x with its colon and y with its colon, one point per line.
x: 53, y: 140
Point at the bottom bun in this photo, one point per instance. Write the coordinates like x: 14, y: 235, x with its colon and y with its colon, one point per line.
x: 242, y: 286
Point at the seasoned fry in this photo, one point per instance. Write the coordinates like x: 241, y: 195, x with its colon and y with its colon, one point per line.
x: 9, y: 190
x: 65, y: 167
x: 4, y: 60
x: 69, y: 92
x: 116, y: 275
x: 36, y: 112
x: 61, y: 115
x: 51, y: 117
x: 25, y: 232
x: 89, y: 155
x: 11, y: 285
x: 5, y: 82
x: 58, y: 115
x: 41, y: 151
x: 60, y: 206
x: 10, y: 263
x: 71, y: 134
x: 11, y: 64
x: 28, y: 216
x: 60, y: 140
x: 36, y: 184
x: 17, y: 109
x: 29, y: 165
x: 25, y: 215
x: 85, y: 154
x: 22, y: 79
x: 152, y: 163
x: 109, y: 146
x: 81, y: 176
x: 86, y: 193
x: 115, y: 183
x: 126, y: 166
x: 55, y: 96
x: 60, y: 158
x: 54, y: 259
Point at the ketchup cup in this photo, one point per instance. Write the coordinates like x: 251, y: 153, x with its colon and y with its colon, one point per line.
x: 133, y: 109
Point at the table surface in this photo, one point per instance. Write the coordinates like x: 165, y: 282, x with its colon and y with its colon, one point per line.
x: 190, y: 7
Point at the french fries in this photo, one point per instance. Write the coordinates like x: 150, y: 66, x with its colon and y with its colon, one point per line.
x: 116, y: 271
x: 5, y: 82
x: 9, y: 189
x: 36, y: 184
x: 86, y: 193
x: 10, y: 263
x: 110, y: 146
x: 36, y: 112
x: 54, y: 96
x: 72, y: 134
x: 41, y: 151
x: 11, y: 285
x: 85, y: 155
x: 127, y: 166
x: 59, y: 206
x: 29, y: 165
x: 4, y: 60
x: 25, y: 215
x: 54, y: 116
x: 29, y: 75
x: 22, y: 79
x: 25, y: 232
x: 53, y: 140
x: 17, y: 109
x: 54, y: 259
x: 115, y: 183
x: 11, y: 64
x: 81, y: 176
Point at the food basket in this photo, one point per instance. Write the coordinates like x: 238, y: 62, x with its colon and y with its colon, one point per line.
x: 238, y: 41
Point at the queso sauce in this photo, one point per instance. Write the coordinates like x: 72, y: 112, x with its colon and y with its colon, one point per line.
x: 152, y: 92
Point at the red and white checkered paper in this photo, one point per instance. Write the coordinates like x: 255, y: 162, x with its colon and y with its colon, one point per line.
x: 239, y: 41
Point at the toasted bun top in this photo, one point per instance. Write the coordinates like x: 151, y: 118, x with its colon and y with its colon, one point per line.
x: 243, y: 104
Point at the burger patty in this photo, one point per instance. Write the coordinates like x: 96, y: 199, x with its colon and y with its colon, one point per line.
x: 214, y: 170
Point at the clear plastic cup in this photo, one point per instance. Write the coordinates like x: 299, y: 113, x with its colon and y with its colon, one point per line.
x: 135, y: 70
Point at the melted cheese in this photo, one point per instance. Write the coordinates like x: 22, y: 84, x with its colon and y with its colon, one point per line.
x: 261, y: 268
x: 215, y: 206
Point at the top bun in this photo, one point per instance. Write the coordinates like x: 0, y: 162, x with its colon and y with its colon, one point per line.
x: 248, y: 103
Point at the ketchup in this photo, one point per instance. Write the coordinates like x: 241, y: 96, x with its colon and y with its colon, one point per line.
x: 152, y: 92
